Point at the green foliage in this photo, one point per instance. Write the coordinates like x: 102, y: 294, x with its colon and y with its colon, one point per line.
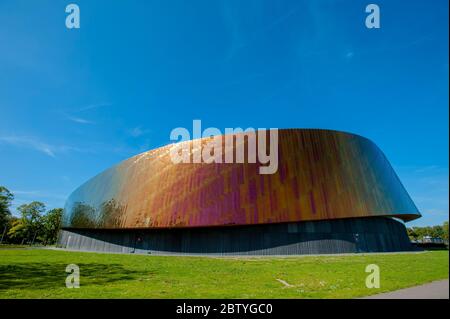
x: 18, y: 231
x: 50, y: 226
x: 6, y: 198
x: 28, y: 225
x: 412, y: 234
x: 417, y: 233
x: 32, y: 218
x: 445, y: 228
x: 33, y: 226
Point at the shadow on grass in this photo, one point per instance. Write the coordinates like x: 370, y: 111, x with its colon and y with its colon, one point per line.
x: 50, y: 276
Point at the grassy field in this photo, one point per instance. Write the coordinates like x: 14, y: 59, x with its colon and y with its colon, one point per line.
x: 9, y: 246
x: 39, y: 273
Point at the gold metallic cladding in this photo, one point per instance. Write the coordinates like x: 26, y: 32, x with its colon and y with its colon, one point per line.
x: 321, y: 175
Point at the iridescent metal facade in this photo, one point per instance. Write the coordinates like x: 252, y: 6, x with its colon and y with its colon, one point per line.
x: 322, y: 175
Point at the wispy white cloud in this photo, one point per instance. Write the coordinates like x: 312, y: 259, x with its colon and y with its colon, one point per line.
x: 37, y: 193
x: 79, y: 120
x: 69, y: 115
x: 37, y: 145
x: 234, y: 22
x: 429, y: 168
x: 137, y: 131
x: 92, y: 106
x: 349, y: 54
x: 29, y: 142
x: 49, y: 198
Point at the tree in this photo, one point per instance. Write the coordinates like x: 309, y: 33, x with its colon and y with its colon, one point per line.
x: 411, y: 233
x: 445, y: 231
x: 50, y: 226
x: 437, y: 231
x: 31, y: 217
x: 6, y: 198
x: 18, y: 231
x: 35, y: 226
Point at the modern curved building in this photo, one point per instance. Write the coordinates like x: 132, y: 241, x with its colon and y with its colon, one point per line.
x: 333, y: 192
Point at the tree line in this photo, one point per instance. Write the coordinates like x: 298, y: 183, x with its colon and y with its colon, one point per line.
x: 34, y: 225
x: 439, y: 231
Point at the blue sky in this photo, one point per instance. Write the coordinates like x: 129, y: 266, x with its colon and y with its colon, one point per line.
x: 75, y: 102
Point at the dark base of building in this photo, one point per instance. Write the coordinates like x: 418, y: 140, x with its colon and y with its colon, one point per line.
x: 355, y: 235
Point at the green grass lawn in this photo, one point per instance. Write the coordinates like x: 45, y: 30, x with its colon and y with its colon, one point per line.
x: 9, y: 246
x: 39, y: 273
